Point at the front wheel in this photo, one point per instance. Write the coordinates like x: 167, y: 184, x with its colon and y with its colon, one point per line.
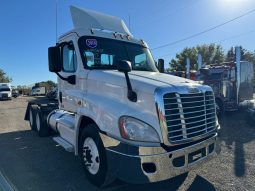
x: 93, y: 155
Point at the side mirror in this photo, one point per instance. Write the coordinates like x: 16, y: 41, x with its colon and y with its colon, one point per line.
x: 54, y: 58
x: 71, y: 79
x: 124, y: 66
x: 161, y: 66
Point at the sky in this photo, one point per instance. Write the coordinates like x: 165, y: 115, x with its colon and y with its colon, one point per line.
x: 28, y: 28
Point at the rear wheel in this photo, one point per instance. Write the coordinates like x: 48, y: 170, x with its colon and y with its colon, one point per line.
x: 32, y: 110
x: 42, y: 127
x: 93, y: 156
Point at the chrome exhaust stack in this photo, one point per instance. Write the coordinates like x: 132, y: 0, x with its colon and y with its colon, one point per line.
x: 238, y: 70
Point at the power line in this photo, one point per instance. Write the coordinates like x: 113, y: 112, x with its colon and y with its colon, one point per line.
x: 220, y: 41
x: 169, y: 54
x: 236, y: 36
x: 202, y: 32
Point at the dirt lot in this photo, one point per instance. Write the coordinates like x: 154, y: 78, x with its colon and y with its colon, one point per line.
x: 28, y: 162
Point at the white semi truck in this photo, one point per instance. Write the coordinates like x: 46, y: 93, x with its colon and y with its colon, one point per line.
x: 116, y: 111
x: 5, y: 91
x: 38, y: 91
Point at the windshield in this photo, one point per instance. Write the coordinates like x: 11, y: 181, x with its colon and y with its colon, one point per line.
x: 214, y: 76
x: 102, y: 53
x: 5, y: 89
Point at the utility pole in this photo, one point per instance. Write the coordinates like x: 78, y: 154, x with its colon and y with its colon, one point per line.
x: 188, y: 68
x: 56, y: 17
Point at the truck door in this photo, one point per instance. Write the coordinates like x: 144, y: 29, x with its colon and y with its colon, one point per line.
x: 69, y: 67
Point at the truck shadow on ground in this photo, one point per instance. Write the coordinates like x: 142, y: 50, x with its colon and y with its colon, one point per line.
x: 199, y: 183
x: 235, y: 132
x: 33, y: 163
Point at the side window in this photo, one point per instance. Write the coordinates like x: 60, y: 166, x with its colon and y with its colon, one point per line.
x: 69, y: 58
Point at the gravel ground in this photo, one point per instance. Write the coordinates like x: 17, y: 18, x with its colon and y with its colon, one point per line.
x: 31, y: 163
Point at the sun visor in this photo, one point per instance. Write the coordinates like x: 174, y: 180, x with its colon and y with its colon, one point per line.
x: 83, y: 18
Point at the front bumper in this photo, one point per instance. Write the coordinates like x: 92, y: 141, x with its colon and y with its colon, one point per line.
x: 135, y: 164
x: 5, y: 97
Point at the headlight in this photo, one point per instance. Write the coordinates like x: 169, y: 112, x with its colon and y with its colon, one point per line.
x: 134, y: 129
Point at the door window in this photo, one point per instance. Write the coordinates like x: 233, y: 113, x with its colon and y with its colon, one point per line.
x: 69, y: 58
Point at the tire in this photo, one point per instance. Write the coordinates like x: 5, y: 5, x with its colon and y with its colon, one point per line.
x: 93, y: 156
x: 42, y: 127
x: 32, y: 110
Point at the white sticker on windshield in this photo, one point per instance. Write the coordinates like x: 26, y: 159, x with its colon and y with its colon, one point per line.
x: 91, y: 43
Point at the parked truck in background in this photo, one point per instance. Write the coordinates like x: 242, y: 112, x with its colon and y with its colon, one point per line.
x: 38, y: 91
x: 232, y: 83
x: 117, y: 112
x: 5, y: 91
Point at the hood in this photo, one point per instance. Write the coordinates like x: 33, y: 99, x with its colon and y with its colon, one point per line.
x: 166, y: 79
x: 141, y: 80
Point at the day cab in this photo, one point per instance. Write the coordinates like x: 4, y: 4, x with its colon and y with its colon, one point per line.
x: 116, y: 111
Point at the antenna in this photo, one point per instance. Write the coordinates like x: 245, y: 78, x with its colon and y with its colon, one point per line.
x: 129, y: 23
x: 56, y: 21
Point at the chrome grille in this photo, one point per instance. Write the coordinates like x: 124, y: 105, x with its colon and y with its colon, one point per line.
x: 4, y: 95
x: 189, y: 115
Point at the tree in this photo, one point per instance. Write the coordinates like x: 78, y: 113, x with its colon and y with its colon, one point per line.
x: 23, y: 89
x: 4, y: 78
x: 47, y: 84
x: 211, y: 54
x: 245, y: 55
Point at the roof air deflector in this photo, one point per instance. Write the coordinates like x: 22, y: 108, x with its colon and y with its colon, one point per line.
x: 83, y: 18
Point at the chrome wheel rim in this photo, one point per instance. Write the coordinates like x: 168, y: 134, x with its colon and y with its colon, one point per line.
x: 91, y: 155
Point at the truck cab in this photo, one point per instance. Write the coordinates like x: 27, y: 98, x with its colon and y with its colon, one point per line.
x: 5, y: 91
x: 117, y: 112
x: 232, y: 83
x: 38, y: 91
